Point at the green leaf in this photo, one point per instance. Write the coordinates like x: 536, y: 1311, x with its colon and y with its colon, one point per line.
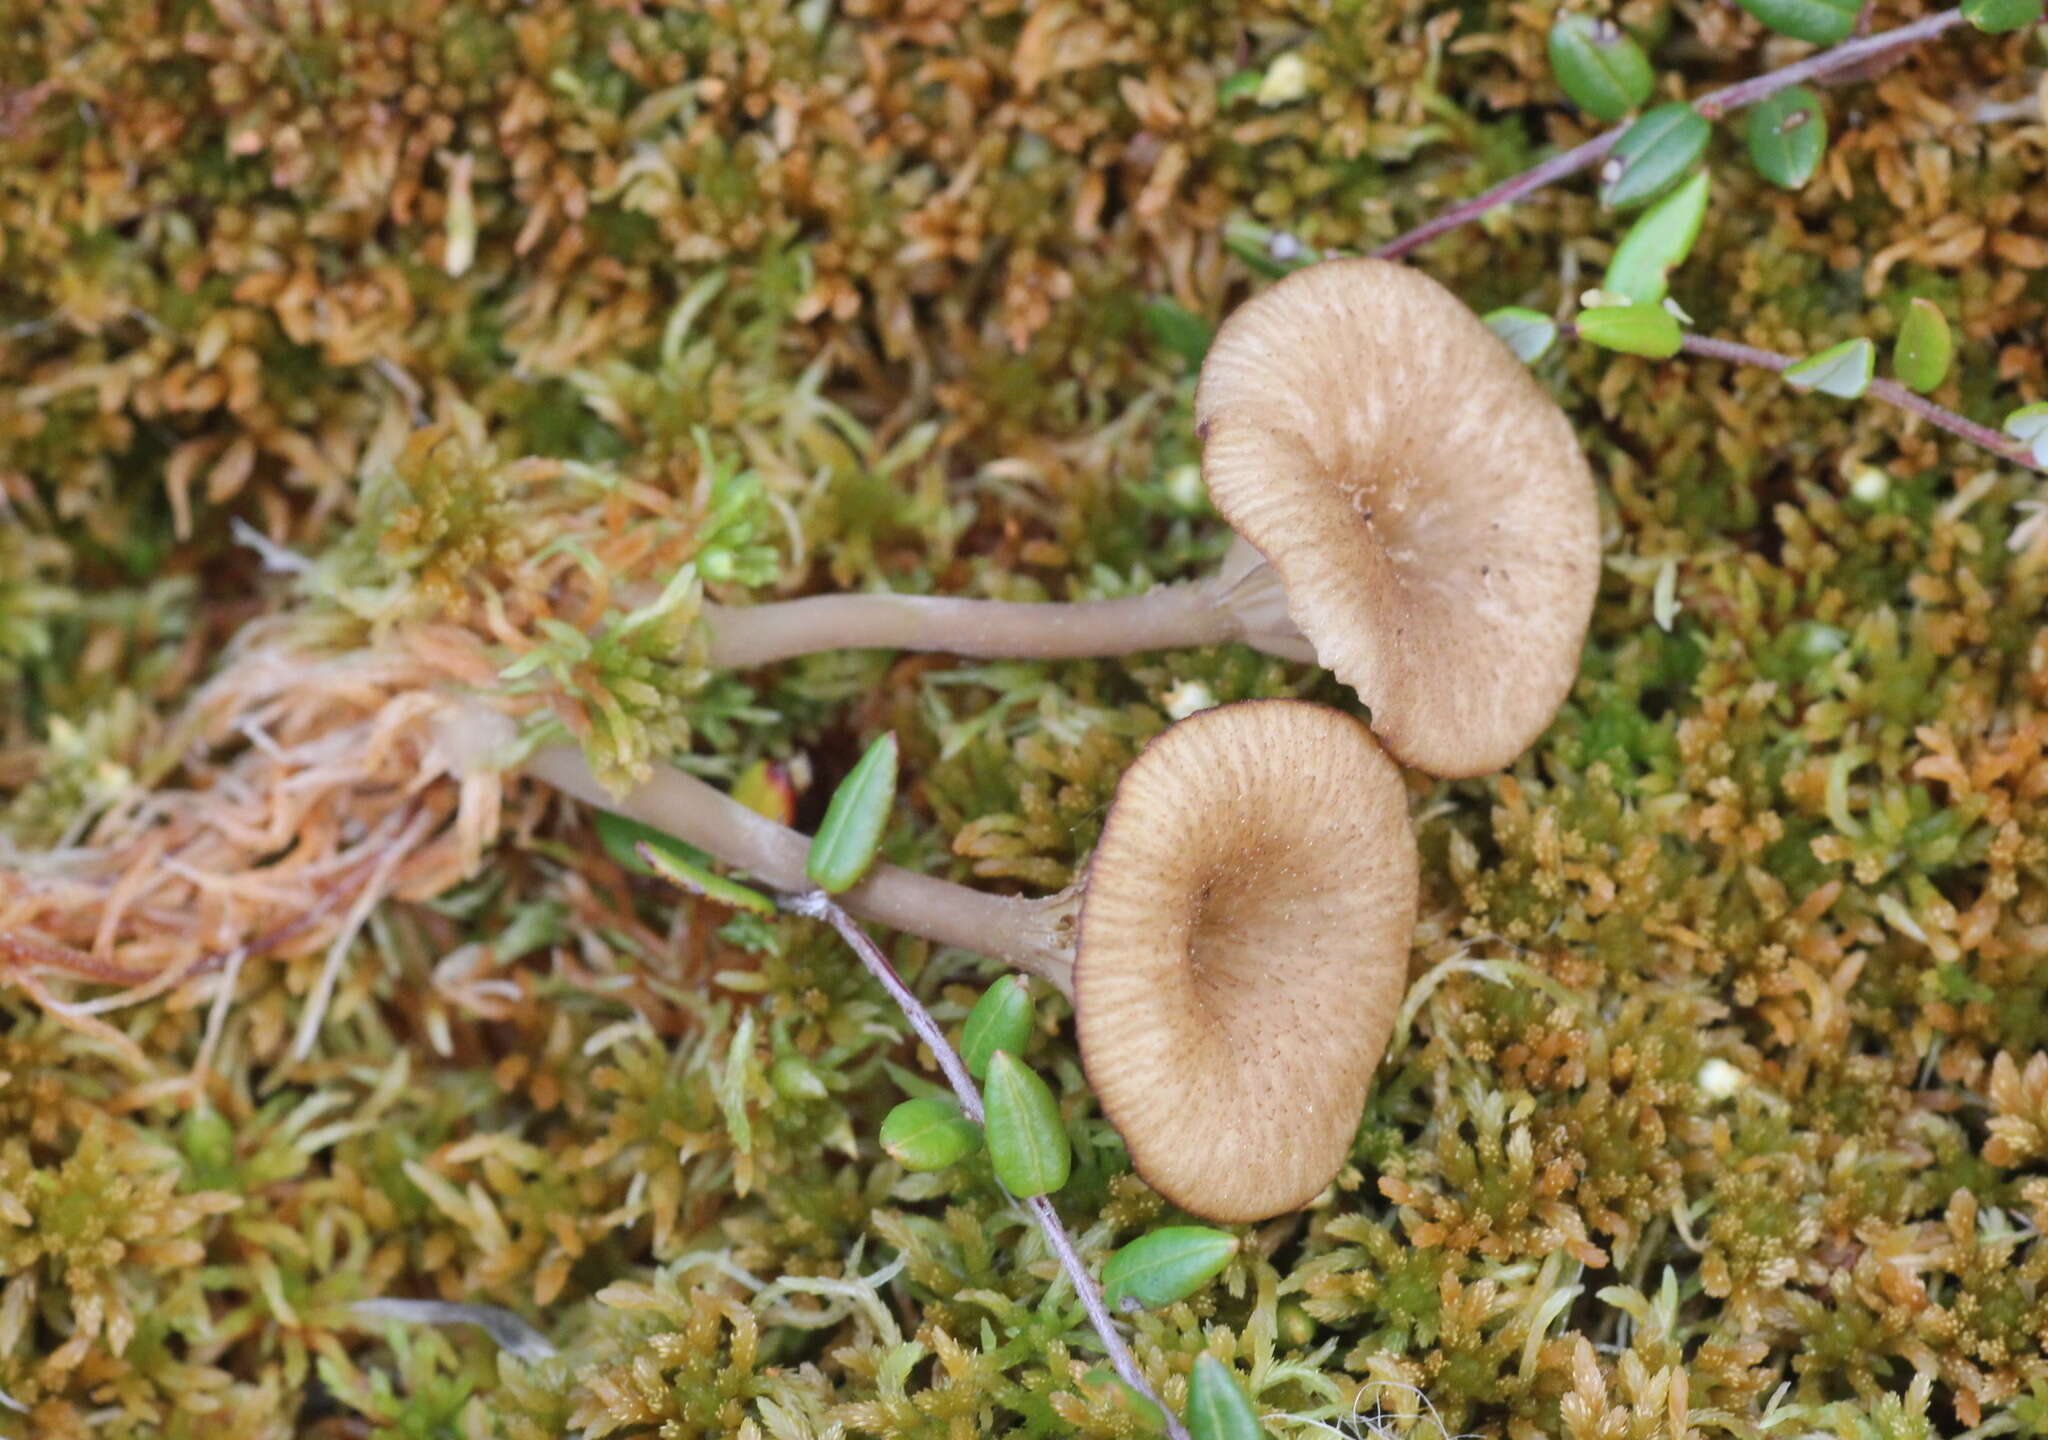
x: 621, y: 836
x: 852, y: 829
x: 1788, y: 133
x: 1272, y: 253
x: 1996, y: 17
x: 1238, y: 86
x: 1842, y: 370
x: 1143, y: 1413
x: 208, y: 1139
x: 732, y: 1085
x: 1529, y: 333
x: 1821, y: 22
x: 1650, y: 157
x: 1001, y: 1020
x: 929, y: 1134
x: 1604, y: 72
x: 1921, y: 354
x: 1217, y: 1407
x: 1026, y: 1140
x: 765, y: 789
x: 1177, y: 329
x: 2029, y: 426
x: 1167, y: 1265
x: 1657, y: 243
x: 694, y: 879
x: 1632, y: 329
x: 795, y: 1078
x: 1297, y: 1329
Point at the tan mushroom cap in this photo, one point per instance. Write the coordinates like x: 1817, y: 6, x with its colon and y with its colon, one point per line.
x: 1425, y: 503
x: 1243, y: 950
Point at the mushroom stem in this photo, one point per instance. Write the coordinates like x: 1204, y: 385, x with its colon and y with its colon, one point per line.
x: 1241, y: 601
x: 1035, y: 936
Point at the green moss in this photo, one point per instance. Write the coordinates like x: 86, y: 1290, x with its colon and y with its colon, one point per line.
x: 783, y: 298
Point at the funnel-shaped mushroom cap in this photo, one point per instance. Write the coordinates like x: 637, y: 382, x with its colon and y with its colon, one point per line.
x: 1243, y: 949
x: 1423, y: 499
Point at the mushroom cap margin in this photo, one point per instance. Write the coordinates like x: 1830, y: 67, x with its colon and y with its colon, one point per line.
x: 1426, y: 504
x: 1244, y: 941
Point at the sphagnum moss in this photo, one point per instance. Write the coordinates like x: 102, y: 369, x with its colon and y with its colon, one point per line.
x: 1739, y: 967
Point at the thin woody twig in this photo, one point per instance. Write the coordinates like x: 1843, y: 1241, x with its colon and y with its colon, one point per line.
x: 1891, y: 392
x: 1713, y: 105
x: 817, y: 905
x: 1734, y: 352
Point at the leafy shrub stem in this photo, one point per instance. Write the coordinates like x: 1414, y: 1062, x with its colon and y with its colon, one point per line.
x: 1713, y: 104
x: 1734, y: 352
x: 817, y: 905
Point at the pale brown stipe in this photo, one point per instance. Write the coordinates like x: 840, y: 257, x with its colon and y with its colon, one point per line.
x: 1243, y: 950
x: 1424, y: 501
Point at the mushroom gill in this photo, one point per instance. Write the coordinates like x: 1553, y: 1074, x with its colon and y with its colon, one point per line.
x: 1243, y: 948
x: 1423, y: 499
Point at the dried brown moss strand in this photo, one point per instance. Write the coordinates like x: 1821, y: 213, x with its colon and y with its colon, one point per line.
x: 1029, y: 934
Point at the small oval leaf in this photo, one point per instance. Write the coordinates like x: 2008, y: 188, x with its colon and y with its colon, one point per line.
x: 929, y: 1134
x: 1632, y: 329
x: 1924, y: 349
x: 1026, y: 1141
x: 1167, y: 1265
x: 1529, y: 333
x: 2029, y: 426
x: 1178, y: 330
x: 1604, y: 72
x: 1842, y: 370
x: 765, y: 789
x: 795, y: 1078
x: 852, y: 830
x: 693, y: 879
x: 208, y: 1139
x: 1272, y: 253
x: 621, y: 837
x: 1296, y: 1327
x: 1001, y: 1020
x: 1996, y: 17
x: 1217, y: 1407
x: 1238, y: 86
x: 1657, y: 243
x: 1820, y: 22
x: 1652, y: 154
x: 1788, y: 134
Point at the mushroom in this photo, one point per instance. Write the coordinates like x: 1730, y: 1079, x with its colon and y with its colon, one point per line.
x: 1423, y: 499
x: 1235, y: 953
x: 1412, y: 509
x: 1243, y: 950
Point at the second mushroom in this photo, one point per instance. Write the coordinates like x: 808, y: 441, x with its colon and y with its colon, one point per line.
x: 1236, y: 951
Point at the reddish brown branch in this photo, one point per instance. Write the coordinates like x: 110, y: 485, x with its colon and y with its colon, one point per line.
x: 1734, y: 352
x: 1713, y: 105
